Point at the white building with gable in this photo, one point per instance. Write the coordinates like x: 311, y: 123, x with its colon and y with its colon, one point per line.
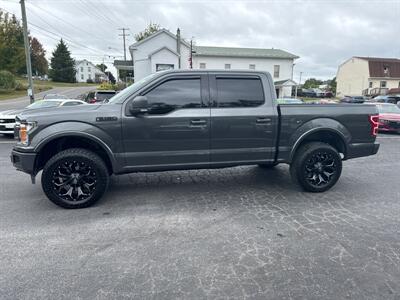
x: 164, y: 50
x: 85, y: 70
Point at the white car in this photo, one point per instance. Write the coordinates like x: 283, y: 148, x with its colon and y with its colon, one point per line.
x: 7, y: 118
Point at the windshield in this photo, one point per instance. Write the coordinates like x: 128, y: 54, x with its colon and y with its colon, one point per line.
x: 388, y: 109
x: 132, y: 88
x: 43, y: 104
x: 104, y: 96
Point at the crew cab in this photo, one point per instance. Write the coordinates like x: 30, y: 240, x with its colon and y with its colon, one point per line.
x: 189, y: 119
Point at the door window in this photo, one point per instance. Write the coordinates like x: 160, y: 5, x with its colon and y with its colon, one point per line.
x: 239, y: 92
x: 174, y: 94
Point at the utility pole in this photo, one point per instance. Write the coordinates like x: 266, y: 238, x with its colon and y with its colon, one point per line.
x: 124, y: 35
x: 301, y: 73
x: 27, y: 53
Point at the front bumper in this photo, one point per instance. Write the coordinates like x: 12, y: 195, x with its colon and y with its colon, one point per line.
x: 7, y: 128
x: 360, y: 150
x: 24, y: 161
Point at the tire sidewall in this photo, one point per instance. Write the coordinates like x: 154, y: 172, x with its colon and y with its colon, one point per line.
x: 301, y: 174
x: 95, y: 164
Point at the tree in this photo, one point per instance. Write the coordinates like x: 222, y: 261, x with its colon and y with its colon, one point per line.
x: 12, y: 55
x: 332, y: 84
x: 62, y: 64
x: 39, y: 62
x: 312, y: 83
x: 102, y: 67
x: 151, y: 28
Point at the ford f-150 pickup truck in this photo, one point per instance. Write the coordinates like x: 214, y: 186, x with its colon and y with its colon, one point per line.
x: 191, y: 119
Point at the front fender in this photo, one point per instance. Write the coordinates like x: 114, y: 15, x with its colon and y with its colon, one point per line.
x: 77, y: 129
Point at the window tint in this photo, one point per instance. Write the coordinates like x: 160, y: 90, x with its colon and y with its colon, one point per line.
x: 174, y: 94
x: 239, y: 92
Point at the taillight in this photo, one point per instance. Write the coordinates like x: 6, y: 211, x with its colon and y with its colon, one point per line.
x: 374, y: 121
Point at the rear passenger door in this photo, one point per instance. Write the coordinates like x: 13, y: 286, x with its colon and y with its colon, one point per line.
x: 243, y: 119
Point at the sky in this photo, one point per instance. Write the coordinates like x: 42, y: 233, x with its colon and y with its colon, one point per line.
x: 323, y: 33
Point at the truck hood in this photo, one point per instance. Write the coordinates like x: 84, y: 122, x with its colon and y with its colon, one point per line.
x: 64, y: 112
x: 12, y: 112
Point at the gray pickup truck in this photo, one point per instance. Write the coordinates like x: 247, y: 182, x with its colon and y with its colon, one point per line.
x: 178, y: 120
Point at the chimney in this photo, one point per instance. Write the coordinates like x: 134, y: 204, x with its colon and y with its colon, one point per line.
x: 178, y: 46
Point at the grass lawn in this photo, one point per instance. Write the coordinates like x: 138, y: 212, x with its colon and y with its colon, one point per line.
x: 40, y: 86
x: 21, y: 93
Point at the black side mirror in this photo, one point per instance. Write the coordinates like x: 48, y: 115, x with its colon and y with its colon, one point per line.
x: 138, y: 106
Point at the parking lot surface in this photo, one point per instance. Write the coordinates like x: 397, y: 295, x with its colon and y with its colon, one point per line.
x: 232, y: 233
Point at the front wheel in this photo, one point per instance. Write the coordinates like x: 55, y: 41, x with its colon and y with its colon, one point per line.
x: 316, y: 167
x: 75, y: 178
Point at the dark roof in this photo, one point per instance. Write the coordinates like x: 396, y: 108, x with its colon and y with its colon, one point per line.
x: 377, y: 67
x: 243, y: 52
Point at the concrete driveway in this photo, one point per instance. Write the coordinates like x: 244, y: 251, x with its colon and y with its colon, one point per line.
x: 236, y: 233
x: 21, y: 102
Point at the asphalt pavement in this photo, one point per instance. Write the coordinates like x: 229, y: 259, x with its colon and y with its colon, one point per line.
x: 21, y: 102
x: 235, y: 233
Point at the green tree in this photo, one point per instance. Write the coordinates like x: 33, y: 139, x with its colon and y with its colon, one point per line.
x: 332, y: 85
x: 151, y: 28
x: 102, y: 67
x: 62, y: 64
x: 312, y: 83
x: 39, y: 62
x: 12, y: 55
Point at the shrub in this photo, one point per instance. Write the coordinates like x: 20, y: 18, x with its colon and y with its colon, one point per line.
x: 7, y: 81
x: 106, y: 86
x: 89, y: 81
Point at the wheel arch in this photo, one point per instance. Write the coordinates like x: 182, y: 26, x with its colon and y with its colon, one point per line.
x: 330, y: 136
x: 59, y: 142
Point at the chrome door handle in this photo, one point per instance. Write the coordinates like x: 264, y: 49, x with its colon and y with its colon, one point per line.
x: 198, y: 122
x: 263, y: 121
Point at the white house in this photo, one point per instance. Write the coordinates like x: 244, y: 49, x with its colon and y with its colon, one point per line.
x: 86, y: 70
x: 368, y: 76
x: 165, y: 50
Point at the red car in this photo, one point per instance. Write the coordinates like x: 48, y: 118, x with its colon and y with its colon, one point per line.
x: 389, y: 117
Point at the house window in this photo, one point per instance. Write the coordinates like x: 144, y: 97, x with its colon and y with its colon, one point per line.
x: 81, y: 69
x: 227, y: 66
x: 386, y: 71
x: 399, y: 84
x: 202, y: 65
x: 163, y: 67
x: 276, y: 71
x: 370, y: 84
x: 252, y: 67
x: 383, y: 84
x: 82, y: 76
x: 89, y: 69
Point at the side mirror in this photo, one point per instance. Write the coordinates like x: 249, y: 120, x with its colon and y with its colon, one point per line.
x: 138, y: 106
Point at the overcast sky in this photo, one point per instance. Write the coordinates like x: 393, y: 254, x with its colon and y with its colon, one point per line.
x: 322, y: 33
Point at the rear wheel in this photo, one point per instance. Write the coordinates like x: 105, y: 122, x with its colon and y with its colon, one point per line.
x: 75, y: 178
x: 316, y: 167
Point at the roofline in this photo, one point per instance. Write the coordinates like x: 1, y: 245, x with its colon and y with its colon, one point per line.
x: 162, y: 48
x: 247, y: 56
x: 163, y: 30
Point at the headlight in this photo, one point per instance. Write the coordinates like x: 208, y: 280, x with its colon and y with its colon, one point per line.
x: 24, y: 130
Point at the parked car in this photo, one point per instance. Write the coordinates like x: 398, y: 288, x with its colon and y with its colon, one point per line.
x: 54, y: 96
x: 328, y: 94
x: 387, y: 99
x: 100, y: 96
x: 289, y: 101
x: 166, y: 121
x: 389, y: 117
x: 7, y: 118
x: 353, y: 99
x: 306, y: 93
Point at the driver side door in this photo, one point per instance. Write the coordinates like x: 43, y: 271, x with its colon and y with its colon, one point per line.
x: 175, y: 131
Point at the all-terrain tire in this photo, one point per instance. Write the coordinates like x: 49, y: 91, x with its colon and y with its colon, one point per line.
x: 316, y: 167
x: 75, y: 178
